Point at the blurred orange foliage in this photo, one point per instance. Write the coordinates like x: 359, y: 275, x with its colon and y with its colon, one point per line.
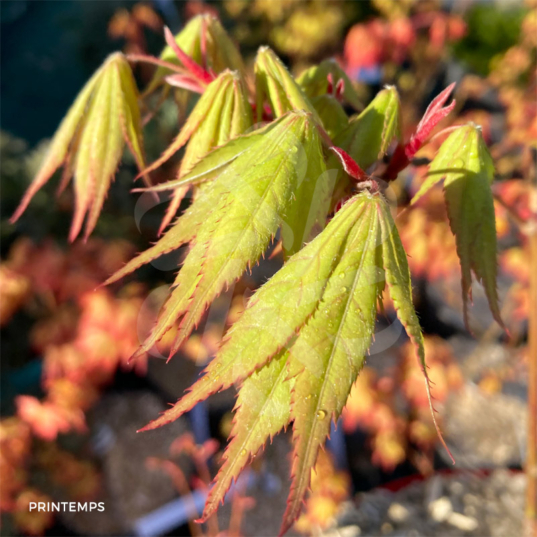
x: 130, y: 25
x: 84, y: 335
x: 329, y: 488
x: 375, y: 402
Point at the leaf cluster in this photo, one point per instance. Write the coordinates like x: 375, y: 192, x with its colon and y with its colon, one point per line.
x: 270, y: 156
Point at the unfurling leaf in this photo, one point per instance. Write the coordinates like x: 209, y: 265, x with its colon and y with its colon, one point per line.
x: 205, y: 41
x: 212, y: 124
x: 351, y: 167
x: 301, y: 342
x: 316, y: 81
x: 368, y: 135
x: 465, y: 164
x: 275, y: 83
x: 257, y: 190
x: 331, y: 113
x: 90, y: 140
x: 223, y: 112
x: 435, y: 113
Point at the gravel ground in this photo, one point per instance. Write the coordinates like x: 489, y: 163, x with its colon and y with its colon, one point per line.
x: 444, y: 506
x: 485, y: 431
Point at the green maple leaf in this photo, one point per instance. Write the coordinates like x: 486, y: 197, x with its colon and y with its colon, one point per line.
x: 314, y: 187
x: 205, y: 171
x: 275, y: 84
x: 223, y: 112
x: 90, y: 140
x: 220, y: 51
x: 262, y: 410
x: 368, y: 136
x: 464, y: 163
x: 332, y: 114
x: 232, y: 222
x: 315, y: 82
x: 302, y: 340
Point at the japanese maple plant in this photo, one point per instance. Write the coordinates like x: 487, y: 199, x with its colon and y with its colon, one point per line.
x: 269, y: 157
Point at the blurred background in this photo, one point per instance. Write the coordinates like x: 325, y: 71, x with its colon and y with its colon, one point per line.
x: 70, y: 402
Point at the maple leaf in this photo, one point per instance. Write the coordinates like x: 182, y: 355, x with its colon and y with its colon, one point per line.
x: 185, y: 228
x: 223, y: 112
x: 299, y: 345
x: 274, y: 82
x: 435, y: 112
x: 325, y: 78
x: 256, y: 190
x: 464, y: 163
x: 367, y: 136
x: 205, y: 41
x: 331, y: 113
x: 261, y: 411
x: 404, y: 153
x: 90, y: 140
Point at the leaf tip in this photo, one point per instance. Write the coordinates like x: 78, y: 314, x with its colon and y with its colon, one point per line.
x: 433, y: 410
